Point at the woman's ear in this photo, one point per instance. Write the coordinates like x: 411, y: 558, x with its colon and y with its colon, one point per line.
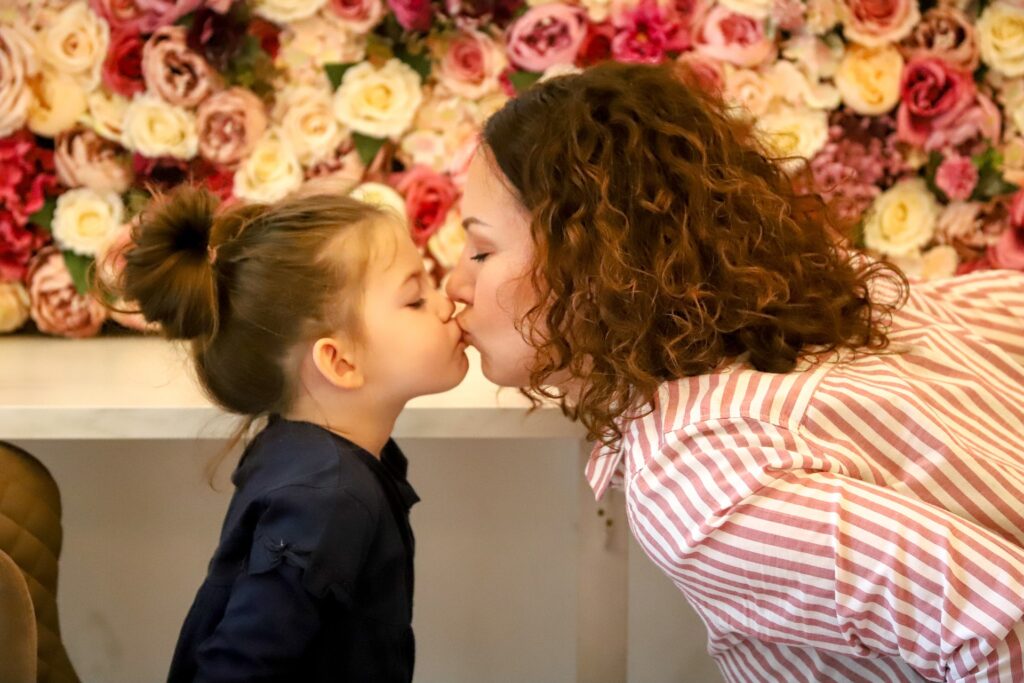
x: 336, y: 362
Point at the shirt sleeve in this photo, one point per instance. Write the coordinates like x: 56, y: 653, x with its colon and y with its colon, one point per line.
x: 772, y: 550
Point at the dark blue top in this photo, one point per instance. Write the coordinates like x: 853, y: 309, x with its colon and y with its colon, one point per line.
x: 313, y: 577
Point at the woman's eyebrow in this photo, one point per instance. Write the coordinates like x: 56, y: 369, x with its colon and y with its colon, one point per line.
x: 467, y: 223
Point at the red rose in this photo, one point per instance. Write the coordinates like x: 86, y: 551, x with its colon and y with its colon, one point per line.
x: 122, y: 69
x: 428, y: 198
x: 413, y: 15
x: 597, y: 44
x: 17, y: 244
x: 933, y: 93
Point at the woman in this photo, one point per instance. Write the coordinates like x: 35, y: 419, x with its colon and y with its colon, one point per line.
x: 825, y: 461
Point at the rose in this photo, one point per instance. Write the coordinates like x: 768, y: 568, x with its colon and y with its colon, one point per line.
x: 1008, y: 252
x: 1001, y: 38
x: 154, y: 128
x: 758, y: 9
x: 424, y: 147
x: 229, y: 123
x: 383, y: 197
x: 979, y: 120
x: 83, y: 219
x: 877, y: 22
x: 286, y: 11
x: 143, y: 16
x: 379, y: 102
x: 306, y: 119
x: 1012, y: 166
x: 733, y: 38
x: 946, y: 33
x: 596, y: 45
x: 14, y: 306
x: 1011, y: 96
x: 956, y: 177
x: 787, y: 14
x: 817, y: 57
x: 413, y: 15
x: 59, y: 103
x: 270, y: 173
x: 110, y: 263
x: 748, y: 89
x: 105, y: 114
x: 17, y: 65
x: 556, y: 70
x: 1017, y: 210
x: 822, y: 15
x: 55, y: 304
x: 791, y: 135
x: 361, y: 16
x: 344, y: 166
x: 701, y: 72
x: 428, y: 198
x: 447, y: 244
x: 75, y: 43
x: 470, y: 64
x: 641, y: 34
x: 458, y: 166
x: 122, y: 70
x: 83, y: 158
x: 796, y: 87
x: 323, y: 39
x: 902, y: 219
x: 869, y: 79
x: 546, y: 35
x: 17, y: 244
x: 174, y: 72
x: 938, y: 262
x: 933, y: 93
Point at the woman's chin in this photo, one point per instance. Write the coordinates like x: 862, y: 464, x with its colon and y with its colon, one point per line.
x: 503, y: 374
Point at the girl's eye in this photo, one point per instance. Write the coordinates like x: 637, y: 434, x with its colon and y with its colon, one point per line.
x: 479, y: 258
x: 418, y: 303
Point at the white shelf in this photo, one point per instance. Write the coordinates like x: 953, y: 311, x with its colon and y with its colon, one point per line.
x: 143, y: 388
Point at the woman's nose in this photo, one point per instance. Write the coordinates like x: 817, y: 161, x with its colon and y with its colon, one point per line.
x: 447, y: 307
x: 458, y: 286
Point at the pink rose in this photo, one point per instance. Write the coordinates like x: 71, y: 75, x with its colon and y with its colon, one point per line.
x: 56, y: 306
x: 980, y: 121
x: 641, y: 34
x: 174, y: 72
x: 413, y: 15
x: 1008, y: 252
x: 546, y: 35
x: 428, y: 197
x: 110, y: 264
x: 83, y: 158
x: 877, y: 22
x: 933, y: 94
x: 458, y: 167
x: 789, y: 15
x: 143, y: 16
x: 360, y: 15
x: 471, y: 65
x: 1017, y: 210
x: 733, y: 38
x: 230, y: 123
x: 946, y: 33
x: 17, y: 244
x: 122, y: 68
x: 701, y: 72
x: 956, y: 177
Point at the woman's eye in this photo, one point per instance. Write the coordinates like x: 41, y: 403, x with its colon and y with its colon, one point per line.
x: 479, y: 258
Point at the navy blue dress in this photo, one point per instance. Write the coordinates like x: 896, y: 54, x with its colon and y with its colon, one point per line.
x: 313, y: 577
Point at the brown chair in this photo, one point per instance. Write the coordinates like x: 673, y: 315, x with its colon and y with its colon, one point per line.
x: 30, y: 541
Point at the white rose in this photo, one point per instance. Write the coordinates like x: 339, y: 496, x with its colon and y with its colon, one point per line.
x: 1011, y: 95
x: 84, y: 219
x: 759, y: 9
x: 869, y: 79
x: 75, y: 43
x: 105, y: 113
x: 380, y: 103
x: 938, y: 262
x: 902, y: 219
x: 446, y: 245
x: 793, y: 134
x: 1001, y: 38
x: 306, y: 119
x: 795, y: 87
x: 747, y: 89
x: 155, y: 128
x: 14, y: 306
x: 287, y: 11
x: 271, y: 172
x: 17, y: 65
x: 424, y: 147
x: 384, y: 196
x: 322, y: 39
x: 556, y: 70
x: 597, y: 10
x: 59, y: 103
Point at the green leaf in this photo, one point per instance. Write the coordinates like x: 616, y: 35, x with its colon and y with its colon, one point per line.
x: 44, y: 216
x: 420, y: 63
x: 930, y: 169
x: 78, y: 266
x: 990, y: 179
x: 522, y: 80
x: 335, y: 72
x: 367, y: 146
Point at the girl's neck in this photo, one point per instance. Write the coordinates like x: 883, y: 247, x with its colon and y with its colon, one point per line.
x: 367, y: 426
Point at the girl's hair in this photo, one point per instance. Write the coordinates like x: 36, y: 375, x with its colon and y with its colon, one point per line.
x: 667, y: 241
x: 245, y: 286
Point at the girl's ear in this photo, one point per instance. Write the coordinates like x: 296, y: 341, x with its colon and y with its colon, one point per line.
x: 336, y: 362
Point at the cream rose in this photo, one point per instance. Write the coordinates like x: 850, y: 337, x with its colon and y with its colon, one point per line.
x: 380, y: 102
x: 748, y: 89
x: 447, y: 243
x: 902, y: 219
x: 383, y: 196
x: 869, y: 79
x: 14, y: 306
x: 270, y: 173
x: 793, y: 134
x: 1001, y: 38
x: 75, y: 43
x: 794, y: 86
x: 84, y: 219
x: 83, y: 158
x: 105, y: 114
x: 424, y: 148
x: 938, y: 262
x: 59, y: 103
x: 597, y: 10
x: 287, y: 11
x: 17, y: 66
x: 759, y: 9
x: 155, y: 129
x: 306, y: 119
x: 322, y: 39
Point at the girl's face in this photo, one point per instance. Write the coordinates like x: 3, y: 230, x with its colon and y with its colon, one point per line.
x: 491, y: 276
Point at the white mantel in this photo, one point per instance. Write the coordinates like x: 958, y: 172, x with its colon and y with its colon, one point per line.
x: 143, y: 388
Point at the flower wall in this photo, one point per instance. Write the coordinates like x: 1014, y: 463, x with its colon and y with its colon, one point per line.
x: 911, y: 114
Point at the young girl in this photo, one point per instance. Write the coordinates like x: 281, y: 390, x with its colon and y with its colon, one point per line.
x: 317, y: 313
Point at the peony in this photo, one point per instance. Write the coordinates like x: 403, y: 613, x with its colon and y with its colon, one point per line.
x: 869, y: 79
x: 17, y: 65
x: 382, y: 196
x: 306, y: 119
x: 360, y: 16
x: 59, y: 103
x: 379, y: 102
x: 791, y: 135
x: 471, y: 64
x: 287, y: 11
x: 174, y: 72
x: 155, y: 128
x: 122, y: 69
x: 902, y: 219
x: 55, y: 304
x: 143, y: 16
x: 933, y: 94
x: 1001, y: 37
x: 105, y: 114
x: 229, y: 123
x: 14, y: 306
x: 878, y: 22
x: 270, y: 173
x: 956, y: 177
x: 84, y: 218
x: 642, y: 34
x: 733, y: 38
x: 74, y: 43
x: 428, y: 198
x: 18, y: 242
x: 84, y: 159
x: 946, y: 33
x: 546, y: 35
x: 28, y: 175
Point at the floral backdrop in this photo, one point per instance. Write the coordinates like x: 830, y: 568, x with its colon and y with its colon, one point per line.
x: 911, y: 114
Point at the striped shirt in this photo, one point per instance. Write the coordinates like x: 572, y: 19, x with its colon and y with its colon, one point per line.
x: 853, y: 521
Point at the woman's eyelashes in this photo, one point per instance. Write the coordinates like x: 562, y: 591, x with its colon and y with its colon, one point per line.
x: 479, y: 258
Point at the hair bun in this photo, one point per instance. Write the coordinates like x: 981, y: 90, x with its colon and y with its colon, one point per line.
x: 167, y: 270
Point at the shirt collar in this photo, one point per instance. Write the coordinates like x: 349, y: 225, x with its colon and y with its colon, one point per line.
x: 605, y: 468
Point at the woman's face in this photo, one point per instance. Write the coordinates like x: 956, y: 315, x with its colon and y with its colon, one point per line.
x: 491, y: 278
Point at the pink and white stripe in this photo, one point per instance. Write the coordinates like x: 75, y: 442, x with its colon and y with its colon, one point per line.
x: 860, y: 520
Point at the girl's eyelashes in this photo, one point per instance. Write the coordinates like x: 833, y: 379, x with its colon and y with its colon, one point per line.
x: 479, y: 258
x: 418, y: 303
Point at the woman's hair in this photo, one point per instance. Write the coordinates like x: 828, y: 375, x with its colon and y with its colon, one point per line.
x: 667, y: 241
x: 245, y: 286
